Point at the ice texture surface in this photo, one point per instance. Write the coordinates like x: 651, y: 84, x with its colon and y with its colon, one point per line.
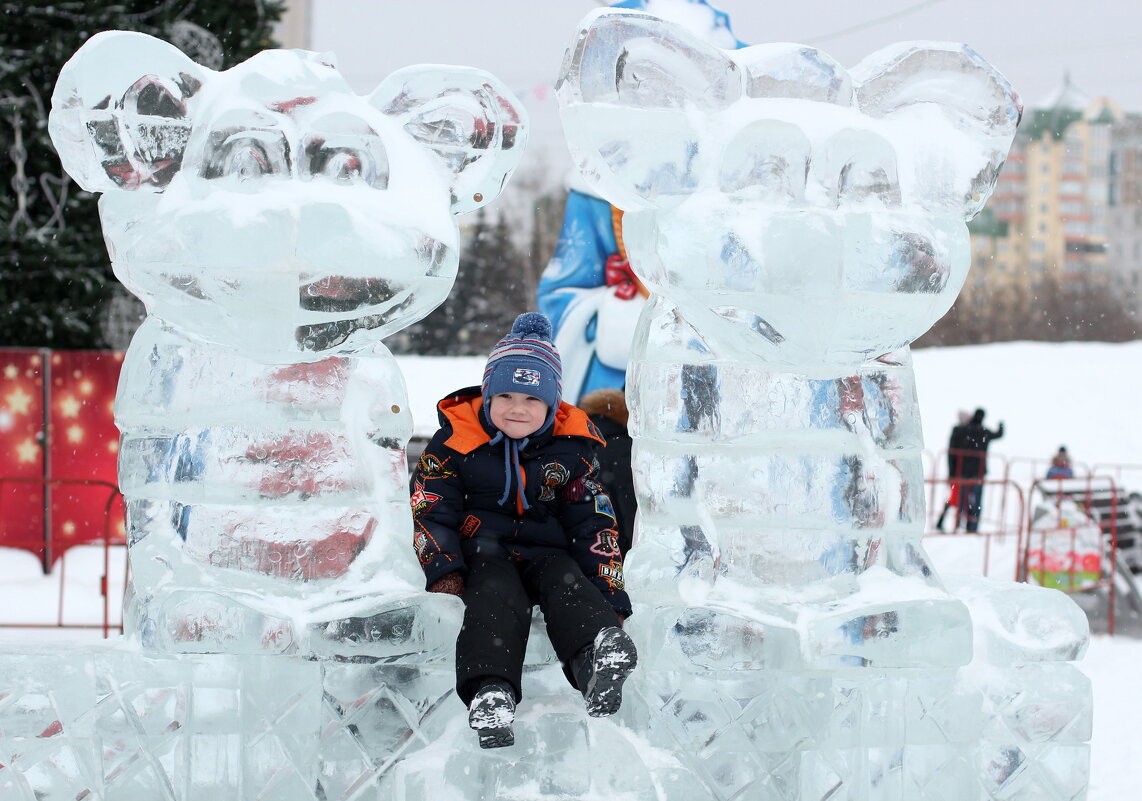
x: 798, y: 225
x: 277, y: 225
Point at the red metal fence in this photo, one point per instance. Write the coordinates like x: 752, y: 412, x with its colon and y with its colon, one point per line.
x: 1068, y: 531
x: 112, y: 578
x: 996, y: 548
x: 1083, y: 522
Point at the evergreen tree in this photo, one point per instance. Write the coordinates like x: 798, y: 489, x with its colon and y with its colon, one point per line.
x: 512, y: 285
x: 55, y: 278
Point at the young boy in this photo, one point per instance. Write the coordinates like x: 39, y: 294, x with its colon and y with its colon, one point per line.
x: 509, y: 513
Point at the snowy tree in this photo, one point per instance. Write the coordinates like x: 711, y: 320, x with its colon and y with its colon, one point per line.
x: 1050, y: 311
x: 493, y: 285
x: 55, y: 278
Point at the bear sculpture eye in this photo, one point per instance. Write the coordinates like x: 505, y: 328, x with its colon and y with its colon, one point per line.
x: 248, y: 161
x: 245, y: 155
x: 766, y: 162
x: 344, y: 148
x: 347, y: 160
x: 155, y: 100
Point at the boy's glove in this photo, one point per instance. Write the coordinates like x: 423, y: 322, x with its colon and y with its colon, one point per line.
x: 451, y: 583
x: 622, y: 618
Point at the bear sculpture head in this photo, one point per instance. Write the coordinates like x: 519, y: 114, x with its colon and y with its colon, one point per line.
x: 270, y: 209
x: 792, y: 210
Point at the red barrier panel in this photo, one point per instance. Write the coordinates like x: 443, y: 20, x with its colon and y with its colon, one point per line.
x: 22, y: 435
x: 57, y: 425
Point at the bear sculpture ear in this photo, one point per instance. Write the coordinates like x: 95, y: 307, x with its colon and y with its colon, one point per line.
x: 628, y: 89
x: 120, y: 117
x: 475, y: 126
x: 937, y: 85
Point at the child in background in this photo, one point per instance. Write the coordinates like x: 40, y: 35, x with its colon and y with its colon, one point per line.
x: 1061, y: 465
x: 509, y: 513
x: 607, y: 409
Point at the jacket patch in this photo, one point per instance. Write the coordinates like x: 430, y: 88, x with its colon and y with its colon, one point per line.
x: 594, y: 431
x: 431, y: 467
x: 612, y: 573
x: 426, y: 547
x: 603, y: 505
x: 576, y: 490
x: 469, y: 526
x: 555, y: 474
x: 422, y: 501
x: 607, y: 544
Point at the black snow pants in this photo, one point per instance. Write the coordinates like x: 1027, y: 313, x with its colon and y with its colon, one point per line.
x: 498, y: 597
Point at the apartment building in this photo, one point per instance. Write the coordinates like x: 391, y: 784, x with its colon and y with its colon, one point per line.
x: 1049, y: 214
x: 1125, y: 205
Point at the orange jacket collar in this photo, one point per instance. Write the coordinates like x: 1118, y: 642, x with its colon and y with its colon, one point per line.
x: 463, y: 412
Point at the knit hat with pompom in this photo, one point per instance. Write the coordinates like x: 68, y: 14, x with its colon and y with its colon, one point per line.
x: 525, y: 361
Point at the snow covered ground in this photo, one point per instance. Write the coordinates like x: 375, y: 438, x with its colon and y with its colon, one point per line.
x: 1081, y: 395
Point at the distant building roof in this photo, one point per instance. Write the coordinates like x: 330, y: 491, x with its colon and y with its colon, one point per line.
x: 1057, y: 111
x: 1052, y: 122
x: 1105, y: 115
x: 1067, y: 95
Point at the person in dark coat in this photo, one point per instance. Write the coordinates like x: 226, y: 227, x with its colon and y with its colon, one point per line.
x: 607, y: 409
x: 953, y: 500
x: 967, y: 465
x: 509, y: 512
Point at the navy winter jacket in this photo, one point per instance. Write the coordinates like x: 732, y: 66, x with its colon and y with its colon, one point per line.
x: 551, y: 496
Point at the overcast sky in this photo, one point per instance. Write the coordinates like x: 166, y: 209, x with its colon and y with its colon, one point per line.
x: 1032, y: 42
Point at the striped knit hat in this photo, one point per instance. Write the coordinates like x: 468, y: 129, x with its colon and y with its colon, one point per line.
x: 525, y: 361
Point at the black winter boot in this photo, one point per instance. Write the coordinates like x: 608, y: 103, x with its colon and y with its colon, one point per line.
x: 601, y: 668
x: 492, y: 713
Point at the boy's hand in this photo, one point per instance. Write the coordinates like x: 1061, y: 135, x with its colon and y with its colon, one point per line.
x: 622, y: 618
x: 451, y: 584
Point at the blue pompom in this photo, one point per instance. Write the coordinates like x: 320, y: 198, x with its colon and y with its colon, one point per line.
x: 533, y: 325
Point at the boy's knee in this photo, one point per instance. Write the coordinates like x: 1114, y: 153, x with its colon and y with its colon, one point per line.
x: 555, y: 560
x: 555, y: 570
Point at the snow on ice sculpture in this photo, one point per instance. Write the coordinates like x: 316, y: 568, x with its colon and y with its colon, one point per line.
x: 798, y: 226
x: 277, y: 225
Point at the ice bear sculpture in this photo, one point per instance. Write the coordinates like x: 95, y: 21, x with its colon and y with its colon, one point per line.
x: 798, y: 225
x: 277, y: 225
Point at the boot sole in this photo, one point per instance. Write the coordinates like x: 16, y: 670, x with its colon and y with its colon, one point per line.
x: 614, y: 659
x: 496, y: 738
x: 491, y: 717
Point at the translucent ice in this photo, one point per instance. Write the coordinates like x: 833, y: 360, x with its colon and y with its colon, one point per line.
x: 798, y: 225
x: 277, y: 226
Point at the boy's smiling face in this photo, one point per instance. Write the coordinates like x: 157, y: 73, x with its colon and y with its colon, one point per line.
x: 517, y: 414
